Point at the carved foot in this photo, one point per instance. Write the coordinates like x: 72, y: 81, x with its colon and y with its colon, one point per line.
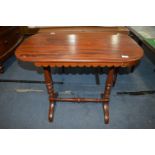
x: 51, y: 112
x: 50, y: 89
x: 106, y: 112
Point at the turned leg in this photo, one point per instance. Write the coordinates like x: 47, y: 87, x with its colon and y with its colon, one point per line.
x: 1, y: 68
x: 106, y: 96
x: 50, y: 89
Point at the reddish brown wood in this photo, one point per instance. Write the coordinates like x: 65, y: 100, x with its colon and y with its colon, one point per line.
x: 87, y: 49
x: 77, y: 99
x: 80, y: 49
x: 120, y: 29
x: 50, y: 89
x: 109, y: 84
x: 87, y: 64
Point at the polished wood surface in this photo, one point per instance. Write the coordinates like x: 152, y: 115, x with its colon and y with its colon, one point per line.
x: 50, y: 90
x: 120, y: 29
x: 80, y: 49
x: 58, y: 49
x: 27, y: 30
x: 111, y: 79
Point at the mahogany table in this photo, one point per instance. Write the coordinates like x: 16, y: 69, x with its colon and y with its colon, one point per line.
x: 89, y: 49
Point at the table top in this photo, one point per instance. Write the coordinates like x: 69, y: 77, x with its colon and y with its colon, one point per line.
x: 120, y: 29
x: 80, y: 49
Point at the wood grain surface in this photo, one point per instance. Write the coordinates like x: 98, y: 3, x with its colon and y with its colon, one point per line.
x: 73, y: 49
x: 57, y: 49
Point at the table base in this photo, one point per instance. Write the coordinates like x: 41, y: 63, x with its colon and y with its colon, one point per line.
x: 111, y: 79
